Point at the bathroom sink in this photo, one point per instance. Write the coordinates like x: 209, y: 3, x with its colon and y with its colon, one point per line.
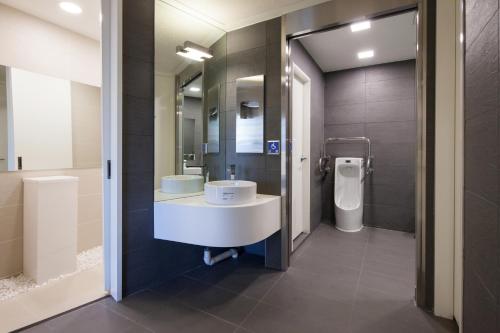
x: 230, y: 192
x: 181, y: 184
x: 192, y: 170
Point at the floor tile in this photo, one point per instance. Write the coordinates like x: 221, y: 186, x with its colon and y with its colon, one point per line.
x: 92, y: 318
x: 324, y: 262
x: 267, y: 318
x: 340, y: 284
x: 309, y: 305
x: 137, y: 306
x: 63, y: 295
x: 397, y: 271
x: 386, y: 284
x: 14, y: 316
x: 41, y: 328
x: 176, y: 317
x: 217, y: 301
x: 248, y: 277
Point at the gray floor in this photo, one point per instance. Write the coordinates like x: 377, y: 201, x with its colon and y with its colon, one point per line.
x: 337, y: 282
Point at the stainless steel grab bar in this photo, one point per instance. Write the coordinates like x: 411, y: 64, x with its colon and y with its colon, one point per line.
x: 324, y: 157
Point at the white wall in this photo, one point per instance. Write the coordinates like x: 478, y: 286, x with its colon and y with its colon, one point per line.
x: 164, y: 126
x: 3, y: 120
x: 445, y: 159
x: 42, y: 47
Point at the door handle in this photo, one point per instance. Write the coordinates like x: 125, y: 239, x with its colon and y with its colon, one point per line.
x: 302, y: 159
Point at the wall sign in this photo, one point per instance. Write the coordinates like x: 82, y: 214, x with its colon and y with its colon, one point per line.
x: 273, y: 147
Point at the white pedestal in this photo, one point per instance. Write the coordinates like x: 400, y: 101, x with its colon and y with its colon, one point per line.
x: 50, y: 226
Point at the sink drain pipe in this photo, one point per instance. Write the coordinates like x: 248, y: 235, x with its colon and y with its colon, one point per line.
x: 210, y: 261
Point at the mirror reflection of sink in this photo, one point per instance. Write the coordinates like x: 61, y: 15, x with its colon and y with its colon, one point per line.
x: 182, y: 184
x: 192, y: 170
x: 230, y: 192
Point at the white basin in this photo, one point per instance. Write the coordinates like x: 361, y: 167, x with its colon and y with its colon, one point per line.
x: 181, y: 184
x: 194, y: 221
x: 192, y: 170
x: 230, y: 192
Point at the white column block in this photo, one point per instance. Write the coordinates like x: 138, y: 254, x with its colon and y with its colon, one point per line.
x: 50, y: 226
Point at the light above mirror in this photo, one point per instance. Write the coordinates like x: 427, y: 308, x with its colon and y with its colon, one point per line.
x: 194, y: 89
x: 70, y: 7
x: 360, y: 26
x: 193, y: 51
x: 366, y: 54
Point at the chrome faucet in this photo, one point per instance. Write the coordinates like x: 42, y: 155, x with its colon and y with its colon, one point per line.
x: 232, y: 171
x: 204, y: 167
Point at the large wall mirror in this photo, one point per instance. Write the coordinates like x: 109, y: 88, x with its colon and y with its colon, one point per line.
x: 47, y: 122
x: 190, y: 71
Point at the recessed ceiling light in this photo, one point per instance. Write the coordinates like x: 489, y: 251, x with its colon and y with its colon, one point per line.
x: 359, y: 26
x: 70, y: 7
x: 366, y: 54
x: 194, y: 89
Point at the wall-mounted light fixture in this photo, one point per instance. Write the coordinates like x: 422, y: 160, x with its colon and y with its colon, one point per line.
x: 359, y: 26
x: 194, y: 51
x: 194, y: 89
x: 366, y: 54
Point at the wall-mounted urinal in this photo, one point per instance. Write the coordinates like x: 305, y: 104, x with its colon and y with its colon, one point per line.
x: 349, y: 178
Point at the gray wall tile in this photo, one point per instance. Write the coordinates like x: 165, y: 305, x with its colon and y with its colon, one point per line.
x: 481, y: 312
x: 247, y: 38
x: 145, y: 260
x: 377, y: 102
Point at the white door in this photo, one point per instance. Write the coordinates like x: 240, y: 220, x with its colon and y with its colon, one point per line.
x: 301, y: 101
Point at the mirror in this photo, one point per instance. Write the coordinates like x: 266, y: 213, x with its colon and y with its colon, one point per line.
x: 213, y: 120
x: 189, y: 106
x: 47, y: 122
x: 250, y: 114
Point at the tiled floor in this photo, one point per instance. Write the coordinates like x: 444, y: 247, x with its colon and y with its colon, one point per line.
x: 51, y: 299
x: 337, y: 282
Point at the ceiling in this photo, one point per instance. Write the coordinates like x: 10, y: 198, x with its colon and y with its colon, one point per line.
x: 233, y: 14
x: 87, y: 23
x: 226, y: 15
x: 172, y: 28
x: 392, y: 38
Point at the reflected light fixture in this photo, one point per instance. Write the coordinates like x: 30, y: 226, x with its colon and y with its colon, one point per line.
x: 70, y: 7
x: 193, y: 51
x: 194, y: 89
x: 366, y: 54
x: 359, y: 26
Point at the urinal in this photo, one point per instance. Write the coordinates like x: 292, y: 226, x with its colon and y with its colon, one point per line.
x: 349, y: 178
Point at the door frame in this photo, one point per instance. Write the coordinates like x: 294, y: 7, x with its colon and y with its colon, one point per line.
x: 306, y: 149
x: 111, y: 105
x: 296, y: 25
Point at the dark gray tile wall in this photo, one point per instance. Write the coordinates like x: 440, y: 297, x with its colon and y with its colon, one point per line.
x: 301, y: 58
x: 252, y: 51
x: 255, y: 50
x: 146, y: 261
x: 377, y: 102
x: 481, y: 201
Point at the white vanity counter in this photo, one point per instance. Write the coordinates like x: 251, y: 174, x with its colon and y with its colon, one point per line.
x: 194, y: 221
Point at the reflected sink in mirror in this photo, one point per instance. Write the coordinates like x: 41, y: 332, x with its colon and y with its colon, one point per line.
x: 230, y: 192
x: 181, y: 184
